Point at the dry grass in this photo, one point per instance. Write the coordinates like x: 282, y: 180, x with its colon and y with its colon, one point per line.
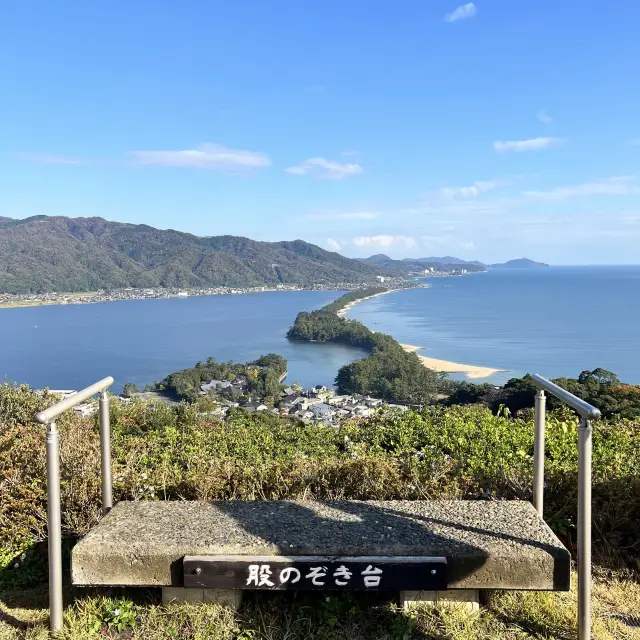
x: 263, y: 616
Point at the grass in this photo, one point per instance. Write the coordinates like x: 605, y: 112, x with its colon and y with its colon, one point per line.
x: 265, y: 616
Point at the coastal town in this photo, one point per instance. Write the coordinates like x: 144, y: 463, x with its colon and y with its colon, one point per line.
x: 53, y: 298
x: 319, y: 404
x: 315, y: 405
x: 9, y: 300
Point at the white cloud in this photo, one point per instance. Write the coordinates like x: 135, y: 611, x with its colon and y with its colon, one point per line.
x: 614, y: 186
x: 543, y: 116
x: 333, y: 245
x: 351, y: 215
x: 211, y: 156
x: 327, y: 169
x: 461, y: 13
x: 526, y: 145
x: 477, y: 188
x: 50, y: 158
x: 384, y: 241
x: 352, y: 152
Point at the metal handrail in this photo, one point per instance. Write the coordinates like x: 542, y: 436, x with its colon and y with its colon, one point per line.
x: 583, y: 408
x: 54, y: 517
x: 587, y: 413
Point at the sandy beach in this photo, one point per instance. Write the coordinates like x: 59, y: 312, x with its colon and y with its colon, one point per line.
x: 471, y: 371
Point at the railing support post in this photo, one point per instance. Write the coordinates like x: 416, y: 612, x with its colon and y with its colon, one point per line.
x: 54, y: 528
x: 585, y: 448
x: 105, y: 453
x: 538, y: 452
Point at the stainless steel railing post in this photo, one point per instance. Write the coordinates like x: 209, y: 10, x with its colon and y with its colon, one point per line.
x: 587, y: 413
x: 538, y: 452
x: 54, y: 525
x: 584, y: 529
x: 54, y: 515
x: 105, y: 453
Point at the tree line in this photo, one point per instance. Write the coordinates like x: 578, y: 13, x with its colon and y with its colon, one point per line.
x: 261, y: 377
x: 598, y: 387
x: 388, y: 372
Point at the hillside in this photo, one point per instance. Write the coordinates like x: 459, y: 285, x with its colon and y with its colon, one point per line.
x: 520, y: 263
x: 43, y: 254
x: 408, y: 266
x: 441, y: 260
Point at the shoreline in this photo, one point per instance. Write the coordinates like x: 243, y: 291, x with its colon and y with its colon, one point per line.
x: 347, y: 307
x: 88, y: 297
x: 471, y: 371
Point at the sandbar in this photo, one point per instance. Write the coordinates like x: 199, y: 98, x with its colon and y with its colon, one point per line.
x: 471, y: 371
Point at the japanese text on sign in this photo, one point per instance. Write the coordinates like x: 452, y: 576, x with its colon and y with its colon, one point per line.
x: 261, y: 575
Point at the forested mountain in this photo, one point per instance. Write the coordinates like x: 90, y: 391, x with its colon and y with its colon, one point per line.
x: 408, y: 266
x: 42, y: 254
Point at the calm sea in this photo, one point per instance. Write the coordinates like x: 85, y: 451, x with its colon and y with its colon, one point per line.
x: 141, y: 341
x: 556, y: 322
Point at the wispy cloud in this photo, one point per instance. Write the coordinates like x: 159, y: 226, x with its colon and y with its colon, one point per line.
x: 351, y: 152
x: 636, y: 142
x: 614, y: 186
x: 477, y: 188
x: 326, y: 169
x: 333, y: 245
x: 461, y: 13
x: 543, y: 116
x: 534, y: 144
x: 50, y: 158
x: 210, y: 156
x: 349, y: 215
x: 384, y: 241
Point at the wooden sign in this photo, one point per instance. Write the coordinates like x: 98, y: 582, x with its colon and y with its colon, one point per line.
x: 316, y: 573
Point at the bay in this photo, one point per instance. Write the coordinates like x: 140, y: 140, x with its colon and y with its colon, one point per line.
x: 141, y: 341
x: 556, y: 322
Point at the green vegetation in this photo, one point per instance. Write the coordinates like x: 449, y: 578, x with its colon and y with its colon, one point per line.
x: 599, y: 387
x: 173, y: 452
x: 389, y: 372
x: 129, y: 390
x: 261, y: 378
x: 43, y: 254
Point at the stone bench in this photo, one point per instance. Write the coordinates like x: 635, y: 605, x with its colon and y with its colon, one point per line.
x: 426, y: 550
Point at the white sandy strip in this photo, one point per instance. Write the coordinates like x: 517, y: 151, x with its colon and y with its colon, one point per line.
x: 350, y: 305
x: 470, y: 370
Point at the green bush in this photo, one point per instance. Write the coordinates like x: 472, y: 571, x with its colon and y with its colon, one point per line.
x: 165, y: 452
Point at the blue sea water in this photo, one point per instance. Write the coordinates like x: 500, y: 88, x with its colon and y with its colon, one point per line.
x: 141, y: 341
x: 556, y: 322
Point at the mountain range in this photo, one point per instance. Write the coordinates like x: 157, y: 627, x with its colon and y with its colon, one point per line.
x: 43, y: 254
x: 408, y: 266
x: 446, y: 263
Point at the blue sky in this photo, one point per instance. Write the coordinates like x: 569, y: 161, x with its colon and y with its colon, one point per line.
x: 487, y: 130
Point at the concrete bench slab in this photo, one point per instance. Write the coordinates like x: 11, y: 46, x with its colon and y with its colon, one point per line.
x: 488, y: 545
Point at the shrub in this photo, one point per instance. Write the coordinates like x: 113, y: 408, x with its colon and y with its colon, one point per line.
x: 172, y: 452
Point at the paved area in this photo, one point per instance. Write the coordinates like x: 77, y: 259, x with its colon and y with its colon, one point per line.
x: 489, y: 545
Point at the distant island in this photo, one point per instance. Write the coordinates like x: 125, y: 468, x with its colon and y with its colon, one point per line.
x: 520, y: 263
